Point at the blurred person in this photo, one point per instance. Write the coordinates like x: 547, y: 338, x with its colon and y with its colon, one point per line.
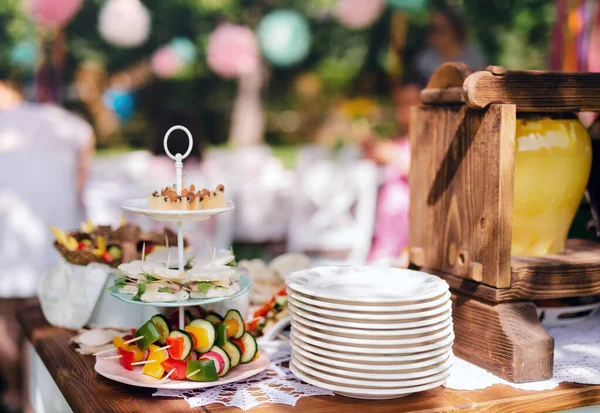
x: 391, y: 223
x: 44, y: 157
x: 447, y: 38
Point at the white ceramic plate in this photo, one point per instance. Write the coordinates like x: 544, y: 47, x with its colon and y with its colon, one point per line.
x: 375, y: 359
x: 140, y: 206
x: 245, y: 284
x: 389, y: 317
x: 370, y: 367
x: 315, y: 302
x: 373, y: 342
x: 414, y: 374
x: 373, y: 339
x: 363, y: 393
x: 369, y: 325
x: 361, y: 333
x: 351, y: 284
x: 111, y: 369
x: 392, y: 350
x: 370, y: 383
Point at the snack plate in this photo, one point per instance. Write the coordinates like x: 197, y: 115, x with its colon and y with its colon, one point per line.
x: 140, y: 206
x: 245, y: 284
x: 111, y: 369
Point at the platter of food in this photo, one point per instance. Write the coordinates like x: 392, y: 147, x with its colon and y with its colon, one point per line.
x: 210, y: 350
x: 188, y: 205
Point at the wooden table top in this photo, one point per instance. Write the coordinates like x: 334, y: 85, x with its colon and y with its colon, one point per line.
x: 80, y: 385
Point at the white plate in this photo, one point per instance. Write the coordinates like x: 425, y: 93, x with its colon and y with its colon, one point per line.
x: 375, y: 359
x: 370, y: 383
x: 364, y: 284
x: 373, y: 339
x: 369, y: 308
x: 400, y: 375
x: 360, y: 332
x: 369, y: 325
x: 374, y: 342
x: 245, y: 284
x: 393, y: 350
x: 370, y: 367
x: 111, y: 369
x: 363, y: 393
x: 388, y: 317
x: 140, y: 206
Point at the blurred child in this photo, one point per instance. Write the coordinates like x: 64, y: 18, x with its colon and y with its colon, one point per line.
x: 391, y: 225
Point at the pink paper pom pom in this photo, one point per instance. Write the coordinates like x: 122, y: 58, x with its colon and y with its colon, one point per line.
x: 166, y: 62
x: 53, y: 13
x: 232, y: 51
x: 358, y: 14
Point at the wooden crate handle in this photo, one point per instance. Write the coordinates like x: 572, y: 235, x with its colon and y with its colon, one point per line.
x: 533, y: 91
x: 446, y: 84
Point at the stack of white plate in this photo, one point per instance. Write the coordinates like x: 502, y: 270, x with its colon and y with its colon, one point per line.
x: 370, y: 332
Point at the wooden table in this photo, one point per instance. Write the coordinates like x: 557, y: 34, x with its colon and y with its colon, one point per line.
x: 87, y: 392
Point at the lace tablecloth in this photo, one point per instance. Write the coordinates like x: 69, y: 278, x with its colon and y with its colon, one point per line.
x: 277, y: 384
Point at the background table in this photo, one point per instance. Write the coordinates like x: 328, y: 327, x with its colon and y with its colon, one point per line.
x: 87, y: 392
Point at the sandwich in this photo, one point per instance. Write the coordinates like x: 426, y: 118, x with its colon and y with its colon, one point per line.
x: 168, y: 257
x: 211, y: 282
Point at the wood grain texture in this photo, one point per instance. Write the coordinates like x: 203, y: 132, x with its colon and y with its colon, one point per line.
x: 573, y: 274
x: 534, y: 91
x: 95, y: 394
x: 506, y: 339
x: 461, y: 189
x: 446, y: 84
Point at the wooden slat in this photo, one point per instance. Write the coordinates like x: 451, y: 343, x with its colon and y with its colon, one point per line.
x: 446, y: 84
x: 574, y: 274
x: 94, y: 394
x: 461, y: 190
x: 534, y: 91
x: 506, y: 339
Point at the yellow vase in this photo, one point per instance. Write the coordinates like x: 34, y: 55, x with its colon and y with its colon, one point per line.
x: 553, y: 157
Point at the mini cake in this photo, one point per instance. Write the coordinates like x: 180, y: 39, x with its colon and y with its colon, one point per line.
x: 189, y: 200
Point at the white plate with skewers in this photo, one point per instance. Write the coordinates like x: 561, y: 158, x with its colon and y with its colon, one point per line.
x: 140, y: 206
x: 112, y: 369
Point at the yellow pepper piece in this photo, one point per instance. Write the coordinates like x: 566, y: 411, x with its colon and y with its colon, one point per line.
x: 232, y: 328
x: 200, y: 335
x: 118, y: 342
x: 155, y: 369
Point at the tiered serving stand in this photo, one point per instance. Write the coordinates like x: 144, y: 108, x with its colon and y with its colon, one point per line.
x: 140, y: 206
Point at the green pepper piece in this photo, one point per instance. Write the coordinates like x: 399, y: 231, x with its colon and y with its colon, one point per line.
x: 221, y: 334
x: 150, y: 334
x: 208, y: 371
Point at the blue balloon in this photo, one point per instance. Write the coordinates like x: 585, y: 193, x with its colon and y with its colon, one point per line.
x: 184, y: 48
x: 284, y: 37
x: 121, y: 102
x: 408, y: 5
x: 24, y: 54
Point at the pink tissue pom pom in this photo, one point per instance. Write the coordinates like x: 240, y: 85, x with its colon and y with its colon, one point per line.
x: 358, y: 14
x: 232, y: 51
x: 53, y: 13
x: 166, y: 62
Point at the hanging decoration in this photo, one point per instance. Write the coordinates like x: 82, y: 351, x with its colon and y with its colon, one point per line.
x: 121, y: 102
x: 284, y: 37
x: 24, y: 55
x: 124, y: 23
x: 52, y: 14
x: 358, y: 14
x: 232, y: 51
x: 410, y: 6
x: 166, y: 63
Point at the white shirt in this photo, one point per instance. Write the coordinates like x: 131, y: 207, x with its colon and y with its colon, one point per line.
x: 40, y: 149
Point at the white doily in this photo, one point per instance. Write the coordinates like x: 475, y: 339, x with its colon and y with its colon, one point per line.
x: 576, y: 359
x: 277, y: 384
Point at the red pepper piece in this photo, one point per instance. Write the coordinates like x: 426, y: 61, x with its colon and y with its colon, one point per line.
x: 282, y: 291
x: 126, y: 358
x: 239, y: 343
x: 176, y: 350
x: 178, y: 365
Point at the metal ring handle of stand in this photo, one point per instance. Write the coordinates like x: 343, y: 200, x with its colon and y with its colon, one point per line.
x: 178, y: 158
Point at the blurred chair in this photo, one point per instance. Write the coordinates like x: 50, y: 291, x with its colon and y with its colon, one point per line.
x: 334, y: 209
x: 261, y: 188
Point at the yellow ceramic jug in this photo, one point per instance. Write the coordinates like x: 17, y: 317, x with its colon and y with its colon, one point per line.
x: 553, y: 157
